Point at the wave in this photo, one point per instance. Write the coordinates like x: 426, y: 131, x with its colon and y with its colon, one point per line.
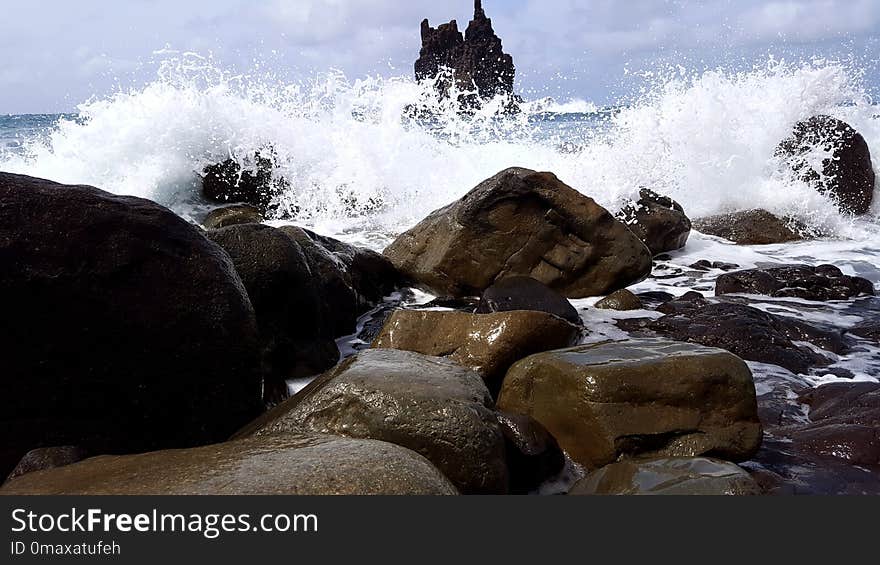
x: 707, y: 139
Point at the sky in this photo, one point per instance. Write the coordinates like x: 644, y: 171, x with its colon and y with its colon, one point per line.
x: 55, y: 54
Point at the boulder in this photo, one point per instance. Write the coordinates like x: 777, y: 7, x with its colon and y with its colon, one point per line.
x: 487, y: 343
x: 638, y: 398
x: 294, y: 463
x: 296, y: 340
x: 750, y: 227
x: 671, y: 475
x: 248, y: 179
x: 620, y: 300
x: 525, y: 293
x: 706, y: 265
x: 125, y: 329
x: 521, y: 222
x: 231, y: 215
x: 433, y: 406
x: 825, y: 282
x: 659, y: 221
x: 845, y: 172
x: 533, y: 456
x: 47, y: 458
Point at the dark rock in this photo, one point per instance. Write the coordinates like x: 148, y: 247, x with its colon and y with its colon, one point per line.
x: 867, y: 330
x: 747, y: 332
x: 642, y: 397
x: 125, y: 329
x: 620, y: 300
x: 658, y: 221
x: 467, y: 304
x: 525, y: 293
x: 825, y: 282
x: 533, y: 456
x: 477, y: 59
x: 671, y: 476
x: 704, y: 265
x: 846, y: 174
x: 750, y: 227
x: 654, y: 298
x: 293, y: 463
x: 853, y: 443
x: 857, y: 403
x: 44, y: 458
x: 248, y: 180
x: 433, y: 406
x: 296, y: 340
x: 231, y: 215
x: 521, y: 222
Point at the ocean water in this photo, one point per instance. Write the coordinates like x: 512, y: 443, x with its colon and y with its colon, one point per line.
x: 358, y: 169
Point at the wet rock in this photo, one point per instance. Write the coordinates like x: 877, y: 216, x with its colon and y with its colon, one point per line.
x: 468, y: 304
x: 868, y: 330
x: 659, y: 221
x: 521, y: 222
x: 433, y: 406
x: 750, y: 227
x: 672, y: 475
x: 824, y: 282
x: 853, y: 443
x: 486, y: 343
x: 125, y: 329
x: 747, y: 332
x: 704, y: 265
x: 293, y: 463
x: 639, y: 397
x: 653, y: 299
x: 620, y: 300
x: 525, y: 293
x: 533, y: 456
x: 846, y: 173
x: 296, y: 341
x: 44, y: 458
x: 231, y: 215
x: 249, y: 180
x: 857, y: 403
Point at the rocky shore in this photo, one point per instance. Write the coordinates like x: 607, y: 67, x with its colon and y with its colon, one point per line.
x: 148, y: 355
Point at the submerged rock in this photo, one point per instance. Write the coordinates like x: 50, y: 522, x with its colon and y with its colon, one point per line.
x: 749, y: 227
x: 620, y: 300
x: 433, y: 406
x: 659, y: 221
x: 231, y: 215
x: 825, y: 282
x: 125, y: 329
x: 521, y: 222
x: 846, y: 174
x: 638, y: 398
x: 671, y: 475
x: 293, y: 463
x: 525, y: 293
x: 486, y: 343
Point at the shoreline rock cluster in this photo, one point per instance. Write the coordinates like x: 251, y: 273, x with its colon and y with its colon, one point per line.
x: 138, y: 341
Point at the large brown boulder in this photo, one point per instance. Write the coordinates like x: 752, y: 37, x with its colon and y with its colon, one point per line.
x: 669, y: 475
x: 750, y: 227
x: 657, y: 220
x: 638, y: 398
x: 824, y: 282
x: 845, y: 172
x: 430, y: 405
x: 521, y: 222
x: 294, y: 463
x: 486, y: 343
x: 124, y: 328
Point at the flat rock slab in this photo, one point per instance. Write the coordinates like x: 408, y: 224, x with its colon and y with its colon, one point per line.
x: 294, y: 463
x: 638, y: 397
x: 821, y: 283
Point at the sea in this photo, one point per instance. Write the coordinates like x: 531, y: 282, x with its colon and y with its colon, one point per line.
x: 358, y: 167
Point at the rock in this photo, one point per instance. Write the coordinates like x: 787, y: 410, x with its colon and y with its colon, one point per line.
x: 525, y: 293
x: 430, y: 405
x: 231, y: 215
x: 659, y: 221
x: 44, y: 458
x: 520, y: 222
x: 747, y: 332
x: 125, y: 329
x: 653, y: 299
x: 477, y: 59
x: 857, y: 403
x: 825, y: 282
x: 853, y: 443
x: 749, y: 227
x: 294, y: 463
x: 533, y: 456
x: 351, y: 280
x: 620, y: 300
x: 846, y: 173
x: 704, y: 265
x: 867, y: 330
x: 487, y: 343
x: 672, y: 475
x: 638, y: 398
x: 296, y: 341
x: 248, y: 180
